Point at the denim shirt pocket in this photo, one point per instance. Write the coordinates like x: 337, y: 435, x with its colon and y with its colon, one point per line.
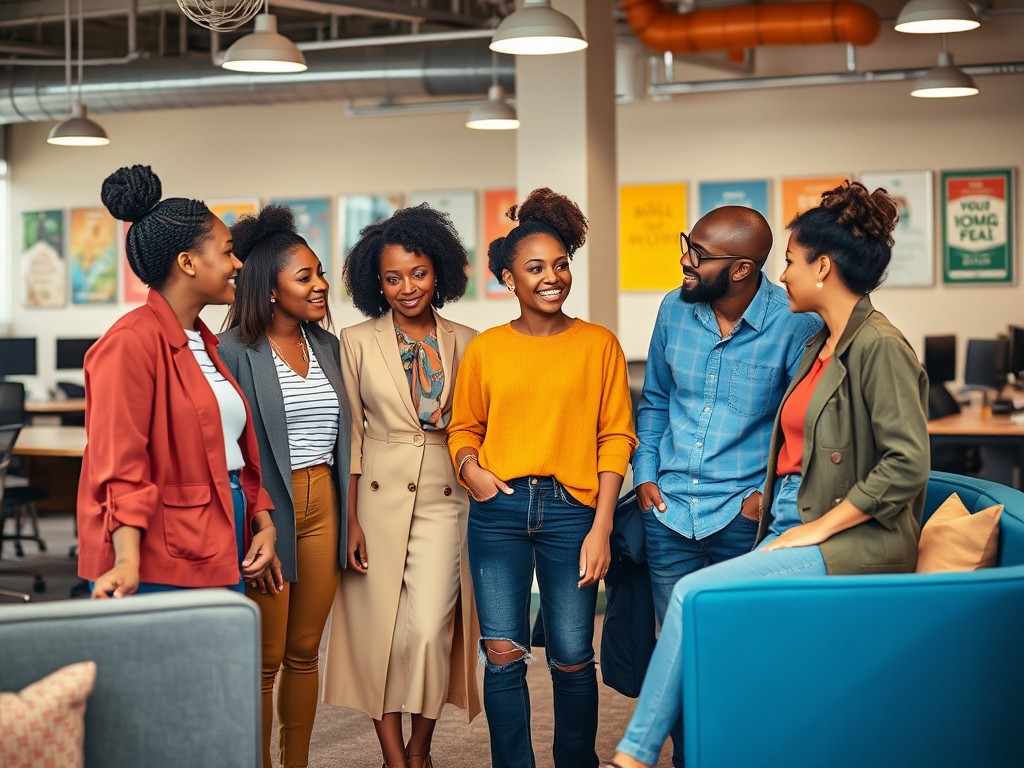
x: 752, y: 388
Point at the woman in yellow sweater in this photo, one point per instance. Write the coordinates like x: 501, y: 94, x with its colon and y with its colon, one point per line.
x: 541, y: 434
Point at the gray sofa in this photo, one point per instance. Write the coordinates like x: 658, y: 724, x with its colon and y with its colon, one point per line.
x: 178, y: 674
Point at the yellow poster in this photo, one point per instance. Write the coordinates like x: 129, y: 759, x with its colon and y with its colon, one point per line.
x: 651, y: 216
x: 230, y: 211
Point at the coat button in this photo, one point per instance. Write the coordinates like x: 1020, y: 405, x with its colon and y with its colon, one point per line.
x: 374, y: 486
x: 447, y: 491
x: 836, y: 457
x: 417, y: 439
x: 412, y: 487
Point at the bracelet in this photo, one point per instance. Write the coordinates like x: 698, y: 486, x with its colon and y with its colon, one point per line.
x: 462, y: 463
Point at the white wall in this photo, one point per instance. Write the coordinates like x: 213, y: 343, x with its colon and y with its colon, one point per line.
x: 313, y: 150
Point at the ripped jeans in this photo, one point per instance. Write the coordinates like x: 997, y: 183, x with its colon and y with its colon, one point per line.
x: 540, y: 525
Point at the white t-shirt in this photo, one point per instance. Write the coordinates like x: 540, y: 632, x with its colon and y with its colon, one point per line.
x: 311, y: 407
x: 232, y: 409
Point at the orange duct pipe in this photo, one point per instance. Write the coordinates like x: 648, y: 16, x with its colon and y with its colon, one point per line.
x: 751, y: 26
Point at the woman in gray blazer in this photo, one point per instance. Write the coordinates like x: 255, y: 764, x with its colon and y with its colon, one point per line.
x: 289, y: 369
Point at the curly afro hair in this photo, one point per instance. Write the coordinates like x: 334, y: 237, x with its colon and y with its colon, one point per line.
x: 422, y: 230
x: 543, y: 211
x: 854, y: 227
x: 263, y: 243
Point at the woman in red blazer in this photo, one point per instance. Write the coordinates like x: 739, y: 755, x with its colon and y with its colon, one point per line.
x: 170, y: 495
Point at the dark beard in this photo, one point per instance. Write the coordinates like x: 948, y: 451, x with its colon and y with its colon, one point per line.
x: 706, y: 294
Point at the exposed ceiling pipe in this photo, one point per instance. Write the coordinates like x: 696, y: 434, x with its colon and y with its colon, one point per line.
x: 133, y: 48
x: 836, y: 78
x: 425, y: 37
x: 416, y: 71
x: 750, y: 26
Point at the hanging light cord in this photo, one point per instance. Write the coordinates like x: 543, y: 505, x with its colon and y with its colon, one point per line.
x: 494, y: 67
x: 81, y: 49
x: 67, y: 49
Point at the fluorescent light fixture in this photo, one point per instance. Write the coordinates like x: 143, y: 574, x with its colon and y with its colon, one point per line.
x: 78, y: 130
x: 934, y: 17
x: 264, y: 50
x: 537, y: 29
x: 496, y: 114
x: 944, y: 81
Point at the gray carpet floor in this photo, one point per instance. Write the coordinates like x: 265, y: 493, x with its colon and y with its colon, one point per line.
x: 344, y: 738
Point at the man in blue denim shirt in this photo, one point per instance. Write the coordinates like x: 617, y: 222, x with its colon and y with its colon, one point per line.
x: 724, y: 349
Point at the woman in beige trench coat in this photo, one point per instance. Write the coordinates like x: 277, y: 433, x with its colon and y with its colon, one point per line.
x: 403, y: 631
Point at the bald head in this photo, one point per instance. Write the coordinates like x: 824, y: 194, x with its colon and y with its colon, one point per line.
x: 734, y: 230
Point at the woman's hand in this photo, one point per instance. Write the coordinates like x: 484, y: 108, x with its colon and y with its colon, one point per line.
x: 483, y: 484
x: 805, y: 535
x: 120, y: 581
x: 358, y: 560
x: 595, y: 556
x: 270, y: 581
x: 260, y: 554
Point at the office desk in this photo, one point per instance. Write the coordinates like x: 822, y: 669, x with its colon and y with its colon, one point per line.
x: 995, y: 431
x: 54, y: 462
x: 72, y: 405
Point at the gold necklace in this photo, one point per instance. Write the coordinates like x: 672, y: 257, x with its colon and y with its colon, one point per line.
x: 280, y: 354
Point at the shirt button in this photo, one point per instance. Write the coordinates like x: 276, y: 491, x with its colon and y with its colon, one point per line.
x: 695, y: 481
x: 836, y: 457
x: 447, y: 491
x: 707, y: 409
x: 699, y: 444
x: 412, y: 487
x: 374, y: 486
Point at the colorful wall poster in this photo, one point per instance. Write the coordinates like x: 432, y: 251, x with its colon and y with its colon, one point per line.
x: 460, y: 204
x: 913, y: 253
x: 230, y: 211
x: 799, y: 195
x: 651, y: 216
x: 135, y: 291
x: 496, y: 224
x: 93, y: 256
x: 977, y: 226
x: 43, y: 274
x: 354, y: 213
x: 313, y: 220
x: 749, y: 194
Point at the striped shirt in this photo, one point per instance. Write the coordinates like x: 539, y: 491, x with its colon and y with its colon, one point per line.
x: 312, y: 410
x: 232, y: 409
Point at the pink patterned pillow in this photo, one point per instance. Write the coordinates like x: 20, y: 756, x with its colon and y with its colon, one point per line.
x: 43, y: 726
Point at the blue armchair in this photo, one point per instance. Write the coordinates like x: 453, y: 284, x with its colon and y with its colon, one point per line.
x: 864, y: 671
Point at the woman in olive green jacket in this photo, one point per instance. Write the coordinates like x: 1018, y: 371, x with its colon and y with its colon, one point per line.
x: 849, y: 454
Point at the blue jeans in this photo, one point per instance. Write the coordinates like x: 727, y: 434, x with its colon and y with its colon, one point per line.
x: 540, y: 525
x: 238, y: 498
x: 660, y: 706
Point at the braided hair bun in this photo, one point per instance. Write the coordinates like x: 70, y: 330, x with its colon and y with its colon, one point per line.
x: 160, y: 230
x: 274, y: 223
x: 543, y: 211
x: 867, y: 214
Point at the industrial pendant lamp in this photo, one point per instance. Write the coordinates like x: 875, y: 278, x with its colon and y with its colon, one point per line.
x: 77, y: 130
x: 495, y: 115
x: 944, y: 81
x: 933, y: 17
x: 537, y: 29
x: 264, y: 50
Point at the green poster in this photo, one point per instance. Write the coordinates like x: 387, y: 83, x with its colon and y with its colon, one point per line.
x: 977, y: 226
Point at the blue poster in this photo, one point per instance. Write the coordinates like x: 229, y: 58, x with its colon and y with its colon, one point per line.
x: 749, y: 194
x: 313, y: 221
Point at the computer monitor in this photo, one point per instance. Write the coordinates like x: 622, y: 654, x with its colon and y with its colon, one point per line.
x: 17, y: 357
x: 1016, y: 361
x: 986, y: 363
x: 940, y: 358
x: 71, y: 353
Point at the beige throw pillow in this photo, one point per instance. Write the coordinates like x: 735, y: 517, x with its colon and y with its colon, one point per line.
x: 43, y: 726
x: 955, y: 540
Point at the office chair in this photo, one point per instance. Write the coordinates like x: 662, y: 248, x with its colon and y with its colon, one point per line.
x: 18, y: 501
x: 8, y: 437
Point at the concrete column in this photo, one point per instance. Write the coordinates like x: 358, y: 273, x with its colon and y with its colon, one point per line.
x: 566, y: 104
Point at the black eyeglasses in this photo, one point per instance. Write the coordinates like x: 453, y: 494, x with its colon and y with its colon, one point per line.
x: 695, y: 256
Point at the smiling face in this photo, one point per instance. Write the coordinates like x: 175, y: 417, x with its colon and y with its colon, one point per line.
x: 214, y: 266
x: 301, y: 292
x: 708, y: 282
x: 800, y: 277
x: 540, y: 274
x: 407, y: 279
